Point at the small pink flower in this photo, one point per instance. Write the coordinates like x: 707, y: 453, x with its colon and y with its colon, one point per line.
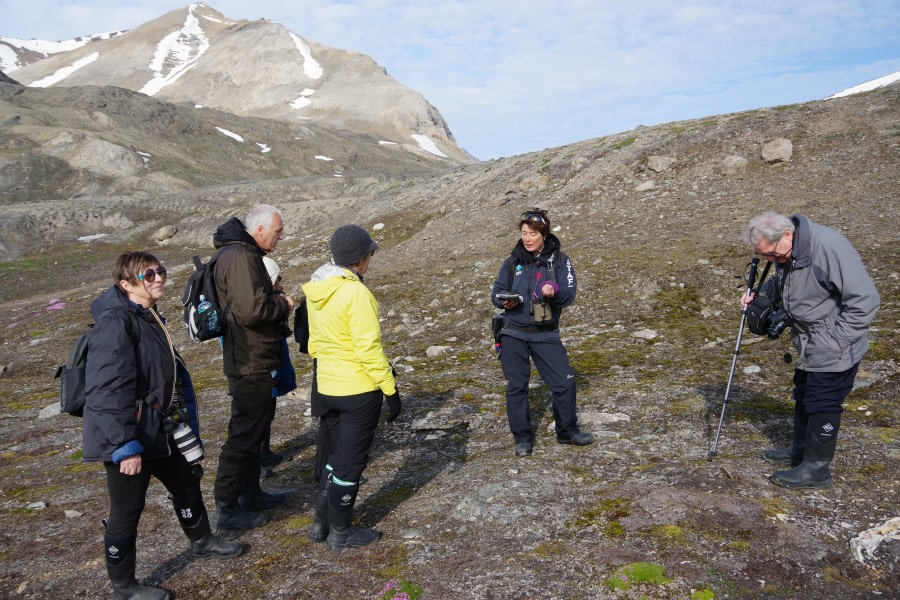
x: 57, y: 306
x: 390, y: 585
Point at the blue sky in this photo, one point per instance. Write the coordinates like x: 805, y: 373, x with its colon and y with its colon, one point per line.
x: 515, y: 76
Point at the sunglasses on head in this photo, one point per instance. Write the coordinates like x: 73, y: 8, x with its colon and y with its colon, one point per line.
x: 533, y: 216
x: 150, y: 274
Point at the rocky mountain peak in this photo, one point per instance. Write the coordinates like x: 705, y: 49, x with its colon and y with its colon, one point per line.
x: 195, y: 55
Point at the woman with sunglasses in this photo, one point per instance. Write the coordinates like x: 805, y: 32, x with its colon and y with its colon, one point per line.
x: 135, y: 381
x: 534, y: 284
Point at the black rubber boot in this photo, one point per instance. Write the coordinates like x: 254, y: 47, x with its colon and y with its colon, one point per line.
x: 793, y: 454
x: 318, y: 530
x: 257, y: 499
x: 230, y: 514
x: 821, y: 441
x: 120, y: 565
x: 267, y: 457
x: 195, y: 524
x: 341, y: 532
x: 580, y: 438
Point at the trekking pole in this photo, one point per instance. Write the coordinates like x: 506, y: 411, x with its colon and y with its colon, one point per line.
x: 751, y: 280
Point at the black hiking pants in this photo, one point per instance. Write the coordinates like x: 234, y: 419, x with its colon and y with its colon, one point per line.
x: 552, y: 363
x: 252, y: 411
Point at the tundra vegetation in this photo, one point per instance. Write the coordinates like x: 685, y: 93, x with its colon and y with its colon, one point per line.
x: 642, y: 513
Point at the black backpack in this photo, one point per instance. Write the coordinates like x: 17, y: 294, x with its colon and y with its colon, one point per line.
x: 72, y: 374
x: 204, y: 317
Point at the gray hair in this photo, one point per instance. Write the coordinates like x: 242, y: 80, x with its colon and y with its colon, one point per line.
x: 769, y: 226
x: 261, y: 214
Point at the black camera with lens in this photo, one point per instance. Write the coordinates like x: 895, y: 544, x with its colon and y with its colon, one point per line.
x: 778, y: 322
x: 176, y: 424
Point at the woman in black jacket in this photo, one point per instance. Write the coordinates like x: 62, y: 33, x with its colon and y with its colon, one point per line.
x: 137, y: 390
x: 534, y: 284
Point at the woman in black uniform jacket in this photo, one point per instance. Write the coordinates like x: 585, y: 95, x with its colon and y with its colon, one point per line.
x: 533, y: 286
x: 134, y: 381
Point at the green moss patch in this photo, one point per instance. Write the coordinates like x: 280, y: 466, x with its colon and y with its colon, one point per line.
x: 605, y: 517
x: 639, y: 572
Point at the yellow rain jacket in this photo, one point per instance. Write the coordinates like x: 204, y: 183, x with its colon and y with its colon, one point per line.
x: 344, y: 334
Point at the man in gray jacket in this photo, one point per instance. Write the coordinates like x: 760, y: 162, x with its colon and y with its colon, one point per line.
x: 830, y: 302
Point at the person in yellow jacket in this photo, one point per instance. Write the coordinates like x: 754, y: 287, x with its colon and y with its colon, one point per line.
x: 352, y: 375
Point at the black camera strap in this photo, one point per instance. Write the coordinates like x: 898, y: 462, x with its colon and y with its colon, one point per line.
x: 761, y: 279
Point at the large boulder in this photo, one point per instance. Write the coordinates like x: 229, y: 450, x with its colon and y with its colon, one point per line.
x: 778, y: 150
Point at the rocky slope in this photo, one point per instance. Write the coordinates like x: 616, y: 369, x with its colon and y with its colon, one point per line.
x: 198, y: 57
x: 88, y: 144
x: 651, y: 219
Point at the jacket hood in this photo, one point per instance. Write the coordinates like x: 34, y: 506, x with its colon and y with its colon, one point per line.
x: 327, y: 271
x: 116, y: 298
x: 324, y: 283
x: 551, y: 245
x: 232, y: 231
x: 111, y: 298
x: 801, y: 253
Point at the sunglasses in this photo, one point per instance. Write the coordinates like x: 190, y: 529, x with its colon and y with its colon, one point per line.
x: 533, y: 216
x: 150, y: 275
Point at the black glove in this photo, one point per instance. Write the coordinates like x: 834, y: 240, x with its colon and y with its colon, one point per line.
x: 394, y: 406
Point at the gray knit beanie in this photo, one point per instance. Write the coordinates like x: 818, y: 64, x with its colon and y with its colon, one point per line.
x: 350, y: 244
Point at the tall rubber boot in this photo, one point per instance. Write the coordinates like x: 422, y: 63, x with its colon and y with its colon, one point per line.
x: 793, y: 454
x: 195, y: 524
x: 120, y: 565
x: 230, y: 514
x: 821, y: 441
x: 341, y: 532
x: 318, y: 530
x: 255, y: 498
x: 268, y: 457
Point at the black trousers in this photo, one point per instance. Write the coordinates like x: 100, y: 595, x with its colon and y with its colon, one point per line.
x: 252, y: 410
x: 552, y: 363
x: 128, y: 493
x: 823, y: 392
x: 350, y: 423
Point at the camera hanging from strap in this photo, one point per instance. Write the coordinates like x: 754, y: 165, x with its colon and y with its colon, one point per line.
x: 759, y: 311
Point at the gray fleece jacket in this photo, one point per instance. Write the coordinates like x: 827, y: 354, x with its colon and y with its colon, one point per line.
x: 829, y: 296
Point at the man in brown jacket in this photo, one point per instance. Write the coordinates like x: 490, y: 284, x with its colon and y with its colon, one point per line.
x: 251, y: 357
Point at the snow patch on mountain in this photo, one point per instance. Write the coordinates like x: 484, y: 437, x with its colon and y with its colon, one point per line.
x: 426, y: 144
x: 868, y: 86
x: 311, y: 66
x: 231, y: 134
x: 61, y: 74
x: 176, y: 54
x: 303, y: 100
x: 9, y: 59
